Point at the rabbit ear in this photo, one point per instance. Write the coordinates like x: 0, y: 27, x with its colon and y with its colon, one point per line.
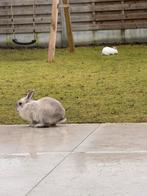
x: 30, y: 95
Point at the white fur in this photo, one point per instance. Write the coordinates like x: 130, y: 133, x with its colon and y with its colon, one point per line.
x: 109, y: 51
x: 41, y: 113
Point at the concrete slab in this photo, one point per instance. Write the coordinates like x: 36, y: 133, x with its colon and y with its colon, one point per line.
x: 74, y: 160
x: 23, y: 139
x: 94, y: 174
x: 19, y: 173
x: 126, y: 138
x: 27, y: 154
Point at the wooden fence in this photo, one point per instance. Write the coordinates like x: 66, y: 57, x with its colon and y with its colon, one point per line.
x: 86, y: 15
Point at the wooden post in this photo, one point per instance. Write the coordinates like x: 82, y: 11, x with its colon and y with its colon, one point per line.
x: 123, y: 22
x: 53, y: 31
x: 68, y: 25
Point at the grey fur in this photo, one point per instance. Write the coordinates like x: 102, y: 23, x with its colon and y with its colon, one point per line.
x: 44, y: 112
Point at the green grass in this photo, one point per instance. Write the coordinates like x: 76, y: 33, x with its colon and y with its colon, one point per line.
x: 93, y: 88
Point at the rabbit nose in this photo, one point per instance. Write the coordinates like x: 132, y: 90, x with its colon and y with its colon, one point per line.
x: 17, y: 106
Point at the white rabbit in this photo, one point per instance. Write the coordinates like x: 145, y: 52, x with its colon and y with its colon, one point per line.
x: 109, y: 51
x: 44, y: 112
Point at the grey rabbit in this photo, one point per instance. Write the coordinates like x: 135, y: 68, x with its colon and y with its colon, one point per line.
x: 44, y: 112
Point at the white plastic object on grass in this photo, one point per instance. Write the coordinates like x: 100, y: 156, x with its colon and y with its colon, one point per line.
x: 109, y: 50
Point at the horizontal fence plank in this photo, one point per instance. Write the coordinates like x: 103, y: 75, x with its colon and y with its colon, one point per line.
x: 24, y: 3
x: 82, y: 27
x: 27, y: 29
x: 101, y: 17
x: 18, y: 11
x: 48, y: 2
x: 44, y: 19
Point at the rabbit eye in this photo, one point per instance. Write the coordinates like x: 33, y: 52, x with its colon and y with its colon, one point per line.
x: 20, y: 103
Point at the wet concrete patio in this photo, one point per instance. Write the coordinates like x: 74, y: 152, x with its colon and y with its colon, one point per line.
x: 74, y: 160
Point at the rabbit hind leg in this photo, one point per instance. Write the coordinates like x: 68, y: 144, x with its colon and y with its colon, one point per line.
x: 42, y: 125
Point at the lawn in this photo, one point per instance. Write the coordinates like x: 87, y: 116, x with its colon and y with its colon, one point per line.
x: 92, y: 88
